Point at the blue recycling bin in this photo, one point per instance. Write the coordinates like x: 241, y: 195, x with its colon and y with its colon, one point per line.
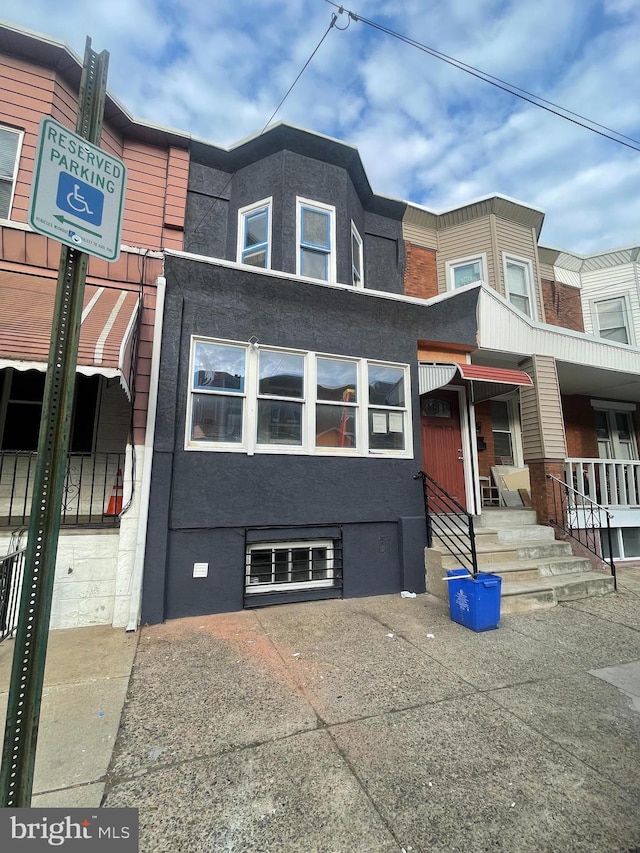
x: 474, y: 602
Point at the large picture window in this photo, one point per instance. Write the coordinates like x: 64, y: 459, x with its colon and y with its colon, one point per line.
x: 260, y: 399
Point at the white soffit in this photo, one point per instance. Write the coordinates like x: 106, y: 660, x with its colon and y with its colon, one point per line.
x: 504, y: 329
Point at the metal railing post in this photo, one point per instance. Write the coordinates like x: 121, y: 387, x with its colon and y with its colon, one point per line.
x: 591, y: 510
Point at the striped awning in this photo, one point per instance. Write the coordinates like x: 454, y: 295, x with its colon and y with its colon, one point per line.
x: 106, y: 334
x: 486, y: 381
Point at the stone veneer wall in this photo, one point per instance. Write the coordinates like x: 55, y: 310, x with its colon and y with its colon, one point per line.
x: 85, y: 580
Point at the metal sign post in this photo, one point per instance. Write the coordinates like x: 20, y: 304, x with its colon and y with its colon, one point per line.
x: 27, y: 674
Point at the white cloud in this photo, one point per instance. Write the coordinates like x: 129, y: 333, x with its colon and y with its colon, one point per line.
x: 426, y: 131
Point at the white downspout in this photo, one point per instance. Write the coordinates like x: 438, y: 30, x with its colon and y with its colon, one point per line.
x: 135, y: 599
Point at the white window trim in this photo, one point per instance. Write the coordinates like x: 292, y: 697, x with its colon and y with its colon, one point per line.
x: 308, y: 544
x: 249, y: 444
x: 512, y: 399
x: 595, y: 319
x: 355, y: 233
x: 611, y: 404
x: 247, y: 211
x: 325, y: 208
x: 14, y: 180
x: 528, y: 266
x: 458, y: 262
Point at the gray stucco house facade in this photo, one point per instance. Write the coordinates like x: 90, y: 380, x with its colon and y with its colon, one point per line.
x: 288, y: 423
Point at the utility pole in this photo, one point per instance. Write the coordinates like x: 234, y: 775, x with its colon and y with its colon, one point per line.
x: 30, y: 651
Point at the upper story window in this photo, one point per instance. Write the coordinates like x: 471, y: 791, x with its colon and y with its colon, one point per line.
x: 518, y: 283
x: 466, y: 271
x: 611, y: 319
x: 316, y: 240
x: 10, y: 141
x: 357, y: 275
x: 254, y: 234
x: 257, y: 399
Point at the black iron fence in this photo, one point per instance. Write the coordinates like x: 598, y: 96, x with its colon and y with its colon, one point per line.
x: 450, y: 522
x: 92, y: 494
x: 584, y: 520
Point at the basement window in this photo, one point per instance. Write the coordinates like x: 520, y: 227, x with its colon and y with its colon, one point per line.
x: 273, y: 566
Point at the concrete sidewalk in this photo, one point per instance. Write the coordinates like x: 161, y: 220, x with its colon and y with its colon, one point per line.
x: 86, y: 680
x: 379, y: 725
x: 344, y: 726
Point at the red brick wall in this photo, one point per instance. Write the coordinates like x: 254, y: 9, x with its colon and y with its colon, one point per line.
x: 486, y: 458
x: 421, y: 275
x: 541, y: 488
x: 562, y: 306
x: 579, y: 427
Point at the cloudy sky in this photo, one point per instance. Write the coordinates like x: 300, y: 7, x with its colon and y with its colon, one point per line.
x: 427, y: 132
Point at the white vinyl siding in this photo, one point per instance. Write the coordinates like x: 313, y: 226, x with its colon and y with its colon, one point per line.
x: 613, y: 282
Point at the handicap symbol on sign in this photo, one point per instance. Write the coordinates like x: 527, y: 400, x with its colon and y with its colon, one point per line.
x: 80, y: 199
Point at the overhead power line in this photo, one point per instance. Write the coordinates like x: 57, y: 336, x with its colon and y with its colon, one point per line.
x: 523, y: 94
x: 334, y: 18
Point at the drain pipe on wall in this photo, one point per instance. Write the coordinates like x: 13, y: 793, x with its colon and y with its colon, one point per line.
x: 135, y: 599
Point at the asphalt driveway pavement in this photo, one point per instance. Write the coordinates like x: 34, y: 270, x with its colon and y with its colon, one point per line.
x: 379, y: 725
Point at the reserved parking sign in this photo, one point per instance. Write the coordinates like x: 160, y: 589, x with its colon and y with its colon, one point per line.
x: 77, y: 192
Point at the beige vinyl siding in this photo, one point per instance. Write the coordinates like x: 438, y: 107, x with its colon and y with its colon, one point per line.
x: 464, y: 240
x: 520, y: 241
x: 541, y: 411
x: 419, y: 235
x: 609, y: 283
x: 546, y: 272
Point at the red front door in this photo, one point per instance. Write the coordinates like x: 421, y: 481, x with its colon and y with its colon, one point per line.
x: 442, y: 441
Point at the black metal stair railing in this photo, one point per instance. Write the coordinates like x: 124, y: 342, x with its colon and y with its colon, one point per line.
x: 584, y: 520
x: 450, y: 522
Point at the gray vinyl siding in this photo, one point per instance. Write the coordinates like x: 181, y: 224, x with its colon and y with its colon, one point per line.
x: 461, y: 241
x: 518, y: 240
x: 607, y: 284
x: 541, y: 412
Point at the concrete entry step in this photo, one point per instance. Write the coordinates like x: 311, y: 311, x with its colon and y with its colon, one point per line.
x: 506, y: 553
x: 539, y: 568
x: 536, y: 569
x: 547, y: 592
x: 500, y: 517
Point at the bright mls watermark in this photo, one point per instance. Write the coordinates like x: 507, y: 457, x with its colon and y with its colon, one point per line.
x: 70, y: 829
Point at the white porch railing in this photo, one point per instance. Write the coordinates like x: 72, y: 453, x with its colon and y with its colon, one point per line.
x: 610, y: 482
